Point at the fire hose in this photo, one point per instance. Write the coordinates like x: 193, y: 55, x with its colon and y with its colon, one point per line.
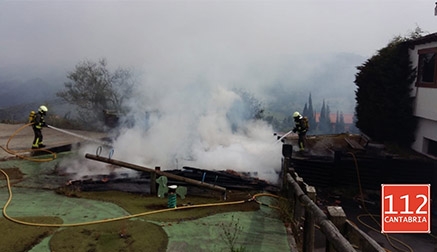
x: 254, y: 198
x: 18, y: 154
x: 282, y: 137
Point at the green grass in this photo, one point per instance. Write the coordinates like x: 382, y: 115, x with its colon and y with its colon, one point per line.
x: 126, y: 235
x: 136, y: 234
x: 19, y: 237
x: 135, y: 204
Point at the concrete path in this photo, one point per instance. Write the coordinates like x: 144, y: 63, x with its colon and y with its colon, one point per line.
x: 21, y: 137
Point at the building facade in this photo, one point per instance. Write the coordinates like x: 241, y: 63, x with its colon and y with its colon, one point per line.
x: 423, y: 54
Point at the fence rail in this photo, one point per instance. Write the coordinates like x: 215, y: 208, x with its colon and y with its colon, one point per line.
x: 339, y: 232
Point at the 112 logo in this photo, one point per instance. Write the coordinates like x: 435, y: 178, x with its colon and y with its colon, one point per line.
x: 405, y: 208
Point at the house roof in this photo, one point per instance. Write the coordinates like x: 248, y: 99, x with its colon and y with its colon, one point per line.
x: 423, y: 40
x: 348, y: 118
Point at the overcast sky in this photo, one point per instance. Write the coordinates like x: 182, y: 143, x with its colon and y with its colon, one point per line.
x: 190, y: 54
x: 146, y: 33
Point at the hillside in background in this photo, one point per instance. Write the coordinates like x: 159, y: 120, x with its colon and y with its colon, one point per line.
x: 25, y: 88
x: 14, y: 92
x: 328, y: 78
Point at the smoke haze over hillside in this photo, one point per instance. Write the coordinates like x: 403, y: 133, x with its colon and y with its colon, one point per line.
x: 190, y: 56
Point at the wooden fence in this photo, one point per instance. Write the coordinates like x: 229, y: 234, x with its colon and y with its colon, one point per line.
x: 341, y: 235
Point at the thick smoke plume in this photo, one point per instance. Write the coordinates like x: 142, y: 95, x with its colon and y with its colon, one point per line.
x: 198, y: 125
x: 192, y: 117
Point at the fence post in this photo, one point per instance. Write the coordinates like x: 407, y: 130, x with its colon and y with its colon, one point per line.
x: 287, y: 150
x: 153, y: 181
x: 298, y: 207
x: 309, y: 225
x: 338, y: 217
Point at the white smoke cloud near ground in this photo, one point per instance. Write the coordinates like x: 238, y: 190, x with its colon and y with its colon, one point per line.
x: 190, y: 126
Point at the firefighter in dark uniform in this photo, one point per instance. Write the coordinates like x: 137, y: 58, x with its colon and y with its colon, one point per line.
x: 301, y: 128
x: 37, y: 125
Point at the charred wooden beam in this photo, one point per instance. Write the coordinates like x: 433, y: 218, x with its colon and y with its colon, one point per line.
x: 158, y: 172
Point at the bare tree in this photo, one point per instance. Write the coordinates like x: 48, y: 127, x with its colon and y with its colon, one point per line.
x: 94, y: 89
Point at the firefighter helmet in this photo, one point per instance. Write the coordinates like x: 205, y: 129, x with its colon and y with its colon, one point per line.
x: 296, y: 115
x: 43, y: 109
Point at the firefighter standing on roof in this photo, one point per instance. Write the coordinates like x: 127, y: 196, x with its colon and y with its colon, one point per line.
x: 37, y: 124
x: 301, y: 128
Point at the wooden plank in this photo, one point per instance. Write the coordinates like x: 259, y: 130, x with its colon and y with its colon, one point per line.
x: 158, y: 172
x: 354, y: 144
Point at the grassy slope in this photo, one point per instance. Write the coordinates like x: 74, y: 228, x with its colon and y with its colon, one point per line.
x: 136, y: 234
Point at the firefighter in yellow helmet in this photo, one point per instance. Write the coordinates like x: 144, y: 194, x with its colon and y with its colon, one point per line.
x: 37, y: 124
x: 301, y: 128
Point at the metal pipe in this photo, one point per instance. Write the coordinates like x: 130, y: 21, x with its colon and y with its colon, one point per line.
x: 161, y: 173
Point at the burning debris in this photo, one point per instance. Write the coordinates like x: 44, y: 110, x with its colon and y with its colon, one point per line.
x: 228, y: 179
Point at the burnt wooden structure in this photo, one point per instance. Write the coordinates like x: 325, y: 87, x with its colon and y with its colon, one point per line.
x: 157, y: 172
x: 344, y: 169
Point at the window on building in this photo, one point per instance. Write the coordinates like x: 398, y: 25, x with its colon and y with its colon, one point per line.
x: 427, y: 68
x: 430, y: 147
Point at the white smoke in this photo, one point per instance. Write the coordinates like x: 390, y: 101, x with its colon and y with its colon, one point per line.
x: 190, y: 125
x: 79, y: 168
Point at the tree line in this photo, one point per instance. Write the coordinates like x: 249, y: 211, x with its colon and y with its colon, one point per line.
x: 320, y: 122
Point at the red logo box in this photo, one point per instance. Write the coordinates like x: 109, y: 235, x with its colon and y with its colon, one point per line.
x: 405, y: 208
